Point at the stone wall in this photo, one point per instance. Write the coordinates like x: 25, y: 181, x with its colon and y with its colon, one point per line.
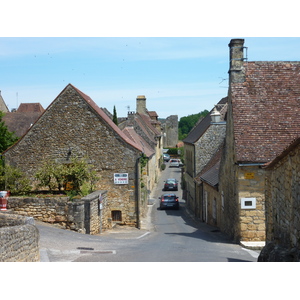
x: 81, y: 215
x: 208, y: 145
x: 211, y: 203
x: 283, y: 203
x: 170, y: 129
x: 196, y: 158
x: 19, y: 239
x: 70, y: 128
x: 228, y: 183
x: 252, y: 220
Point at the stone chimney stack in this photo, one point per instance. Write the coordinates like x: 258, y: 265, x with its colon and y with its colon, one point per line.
x: 236, y: 68
x: 141, y: 105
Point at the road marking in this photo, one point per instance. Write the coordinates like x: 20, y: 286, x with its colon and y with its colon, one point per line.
x: 139, y: 237
x: 98, y: 251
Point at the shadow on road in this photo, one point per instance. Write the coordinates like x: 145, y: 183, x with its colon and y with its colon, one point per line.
x: 202, y: 230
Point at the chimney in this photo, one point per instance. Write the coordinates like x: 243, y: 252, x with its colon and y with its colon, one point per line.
x: 236, y: 68
x: 141, y: 105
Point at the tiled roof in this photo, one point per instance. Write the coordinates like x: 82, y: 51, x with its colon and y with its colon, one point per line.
x: 20, y: 122
x: 136, y: 138
x: 30, y: 107
x: 266, y: 110
x: 285, y: 152
x: 149, y: 126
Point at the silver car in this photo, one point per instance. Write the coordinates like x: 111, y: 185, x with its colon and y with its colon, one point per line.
x: 174, y: 162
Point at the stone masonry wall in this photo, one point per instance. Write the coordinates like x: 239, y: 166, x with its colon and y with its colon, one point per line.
x: 283, y: 201
x: 252, y: 220
x: 71, y: 128
x: 19, y: 239
x: 170, y: 132
x: 82, y: 215
x: 208, y: 144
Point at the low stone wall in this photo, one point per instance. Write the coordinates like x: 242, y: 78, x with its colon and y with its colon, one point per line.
x: 81, y: 215
x: 19, y: 239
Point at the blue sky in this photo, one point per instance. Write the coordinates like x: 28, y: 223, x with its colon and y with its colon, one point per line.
x: 179, y: 76
x: 174, y: 53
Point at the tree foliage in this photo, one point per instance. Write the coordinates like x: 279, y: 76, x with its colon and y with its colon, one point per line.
x: 187, y: 123
x: 115, y: 117
x: 7, y: 138
x: 13, y: 180
x: 72, y: 177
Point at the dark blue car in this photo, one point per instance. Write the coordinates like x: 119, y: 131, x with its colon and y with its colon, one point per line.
x: 169, y: 201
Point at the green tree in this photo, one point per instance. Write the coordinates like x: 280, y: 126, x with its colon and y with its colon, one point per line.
x: 72, y: 176
x: 115, y: 117
x: 187, y: 123
x: 13, y: 180
x: 7, y: 138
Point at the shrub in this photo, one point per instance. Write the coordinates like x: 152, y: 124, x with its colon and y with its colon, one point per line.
x: 76, y: 176
x: 13, y: 180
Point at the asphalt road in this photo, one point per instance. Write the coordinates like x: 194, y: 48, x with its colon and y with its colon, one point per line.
x: 166, y: 236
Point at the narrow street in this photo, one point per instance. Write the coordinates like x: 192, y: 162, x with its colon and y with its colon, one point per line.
x: 166, y: 236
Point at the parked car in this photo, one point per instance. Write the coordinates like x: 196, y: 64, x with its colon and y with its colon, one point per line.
x: 174, y: 162
x: 171, y: 184
x: 169, y: 201
x: 166, y: 157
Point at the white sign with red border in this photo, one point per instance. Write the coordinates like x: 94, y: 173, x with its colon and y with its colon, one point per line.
x: 121, y: 178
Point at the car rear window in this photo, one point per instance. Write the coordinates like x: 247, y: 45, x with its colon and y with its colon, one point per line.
x: 169, y: 198
x: 171, y: 181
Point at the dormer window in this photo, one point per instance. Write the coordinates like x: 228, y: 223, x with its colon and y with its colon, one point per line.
x: 215, y: 116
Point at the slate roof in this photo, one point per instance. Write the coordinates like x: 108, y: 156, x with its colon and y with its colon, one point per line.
x: 202, y: 125
x: 266, y: 110
x: 210, y: 173
x: 211, y: 177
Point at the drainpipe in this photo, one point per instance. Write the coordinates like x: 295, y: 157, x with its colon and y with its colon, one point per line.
x: 137, y: 192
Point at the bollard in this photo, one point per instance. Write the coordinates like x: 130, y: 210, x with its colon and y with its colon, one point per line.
x: 3, y: 200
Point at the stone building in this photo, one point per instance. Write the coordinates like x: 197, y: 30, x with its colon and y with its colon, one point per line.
x: 207, y: 183
x: 283, y: 206
x: 3, y: 106
x: 74, y: 126
x: 262, y: 119
x: 170, y: 131
x: 143, y: 126
x: 200, y: 146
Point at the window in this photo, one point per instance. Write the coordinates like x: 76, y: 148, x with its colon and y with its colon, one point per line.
x: 116, y: 215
